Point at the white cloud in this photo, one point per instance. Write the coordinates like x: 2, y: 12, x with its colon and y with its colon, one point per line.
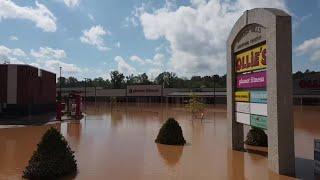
x: 94, y: 36
x: 315, y: 56
x: 72, y: 3
x: 54, y: 66
x: 5, y: 51
x: 135, y: 14
x: 124, y: 67
x: 157, y: 60
x: 11, y: 55
x: 198, y: 2
x: 45, y: 58
x: 14, y: 60
x: 40, y: 15
x: 52, y: 59
x: 137, y: 59
x: 310, y: 47
x: 13, y: 38
x: 197, y: 35
x: 118, y: 45
x: 299, y: 20
x: 91, y: 17
x: 48, y: 53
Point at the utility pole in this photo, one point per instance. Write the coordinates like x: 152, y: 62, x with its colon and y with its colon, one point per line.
x: 60, y: 94
x: 85, y: 93
x: 214, y: 89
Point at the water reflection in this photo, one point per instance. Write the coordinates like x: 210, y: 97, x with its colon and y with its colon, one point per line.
x: 118, y: 143
x: 170, y: 154
x: 17, y: 146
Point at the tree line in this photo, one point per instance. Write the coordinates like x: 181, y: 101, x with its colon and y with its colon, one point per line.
x: 166, y: 79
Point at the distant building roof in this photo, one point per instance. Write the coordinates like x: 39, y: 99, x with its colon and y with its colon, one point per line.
x: 201, y: 94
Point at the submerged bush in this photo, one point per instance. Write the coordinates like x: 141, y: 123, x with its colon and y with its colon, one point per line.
x: 53, y: 158
x: 170, y: 133
x: 257, y: 137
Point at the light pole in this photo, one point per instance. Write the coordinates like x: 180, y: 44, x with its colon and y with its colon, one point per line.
x: 85, y: 93
x: 214, y: 89
x: 60, y: 84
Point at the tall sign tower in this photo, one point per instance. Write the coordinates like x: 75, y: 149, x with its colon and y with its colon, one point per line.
x: 259, y: 83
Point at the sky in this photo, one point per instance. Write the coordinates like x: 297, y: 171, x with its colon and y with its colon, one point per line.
x: 90, y: 38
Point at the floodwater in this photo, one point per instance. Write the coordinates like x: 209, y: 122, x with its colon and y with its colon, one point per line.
x: 118, y: 144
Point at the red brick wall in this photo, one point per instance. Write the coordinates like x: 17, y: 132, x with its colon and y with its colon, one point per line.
x: 33, y: 89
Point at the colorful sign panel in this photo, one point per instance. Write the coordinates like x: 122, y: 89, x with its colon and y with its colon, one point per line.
x: 252, y: 59
x: 258, y: 97
x: 243, y: 118
x: 251, y: 104
x: 259, y: 109
x: 258, y: 121
x: 242, y: 96
x: 243, y: 107
x: 252, y: 80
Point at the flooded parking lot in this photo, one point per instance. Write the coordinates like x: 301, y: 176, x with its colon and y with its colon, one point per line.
x: 118, y: 143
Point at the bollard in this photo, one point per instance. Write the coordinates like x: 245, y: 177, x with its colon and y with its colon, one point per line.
x: 59, y: 111
x: 317, y: 156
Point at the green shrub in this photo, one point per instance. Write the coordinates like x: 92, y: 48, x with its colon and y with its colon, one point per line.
x: 53, y: 158
x: 170, y: 133
x: 257, y: 137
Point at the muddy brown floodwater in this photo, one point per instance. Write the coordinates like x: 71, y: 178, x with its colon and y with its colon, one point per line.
x: 118, y: 144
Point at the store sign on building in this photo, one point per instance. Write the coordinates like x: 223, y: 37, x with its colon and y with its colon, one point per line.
x: 144, y: 90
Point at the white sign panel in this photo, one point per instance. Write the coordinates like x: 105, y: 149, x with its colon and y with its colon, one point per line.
x: 144, y: 90
x: 243, y: 107
x: 243, y: 118
x: 259, y: 109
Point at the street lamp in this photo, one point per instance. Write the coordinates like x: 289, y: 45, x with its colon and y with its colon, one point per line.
x: 60, y: 84
x: 85, y: 93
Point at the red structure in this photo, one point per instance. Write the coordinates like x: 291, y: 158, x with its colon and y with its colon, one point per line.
x: 76, y: 105
x: 26, y: 89
x: 71, y: 105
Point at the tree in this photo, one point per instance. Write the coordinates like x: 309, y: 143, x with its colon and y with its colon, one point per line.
x: 143, y: 79
x: 62, y: 81
x: 168, y: 79
x: 117, y: 79
x: 72, y: 82
x: 171, y: 133
x: 195, y: 105
x: 52, y: 159
x: 100, y: 82
x: 131, y: 79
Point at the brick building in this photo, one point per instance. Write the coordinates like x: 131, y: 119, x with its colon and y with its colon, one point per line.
x: 26, y: 89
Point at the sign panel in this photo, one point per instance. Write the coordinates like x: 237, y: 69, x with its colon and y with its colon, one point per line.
x: 242, y: 96
x: 258, y: 121
x: 252, y: 80
x: 250, y: 35
x: 243, y: 107
x: 243, y: 118
x: 144, y: 90
x: 258, y: 97
x: 252, y: 59
x: 259, y: 109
